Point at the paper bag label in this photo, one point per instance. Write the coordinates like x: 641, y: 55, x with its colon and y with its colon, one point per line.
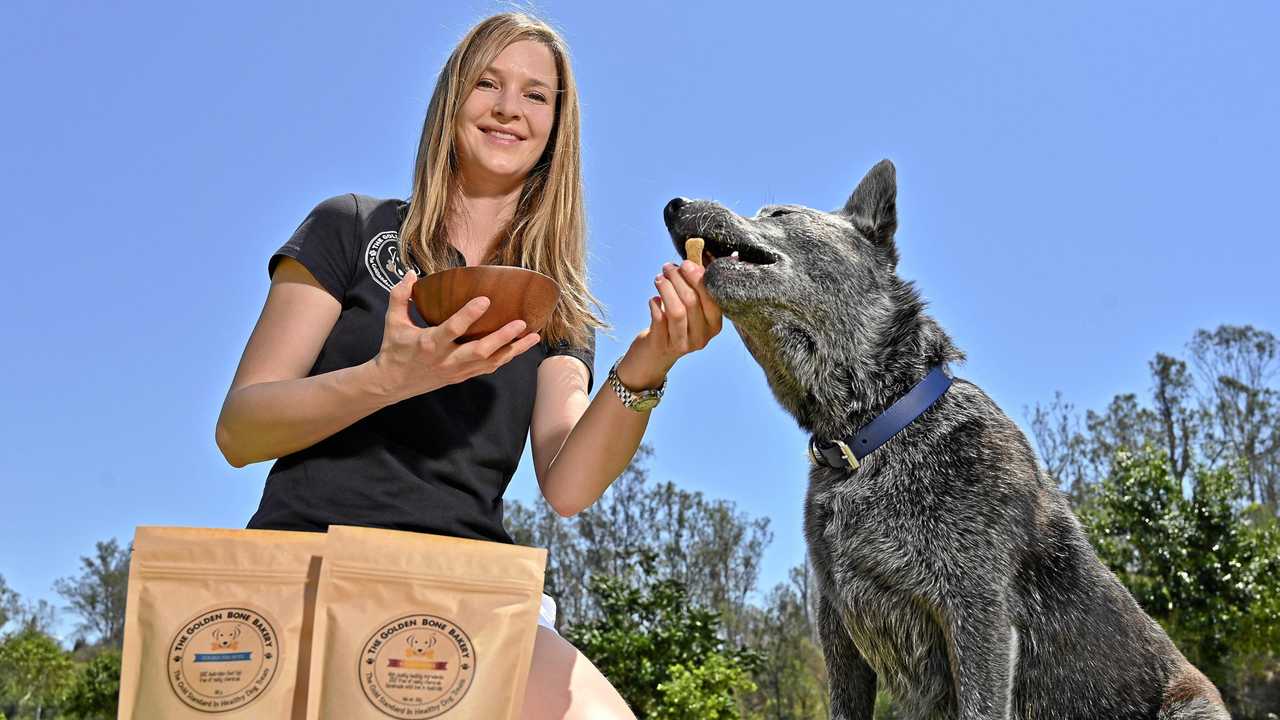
x: 417, y: 666
x: 223, y: 659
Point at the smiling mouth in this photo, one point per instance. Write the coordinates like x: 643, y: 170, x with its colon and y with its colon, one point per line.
x: 717, y: 251
x: 502, y: 135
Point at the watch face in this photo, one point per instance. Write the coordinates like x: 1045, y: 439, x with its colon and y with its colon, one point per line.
x: 644, y: 403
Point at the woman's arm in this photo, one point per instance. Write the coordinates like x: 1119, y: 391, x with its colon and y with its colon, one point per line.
x: 273, y: 408
x: 580, y: 447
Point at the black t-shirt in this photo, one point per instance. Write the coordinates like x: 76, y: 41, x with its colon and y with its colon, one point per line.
x: 436, y: 463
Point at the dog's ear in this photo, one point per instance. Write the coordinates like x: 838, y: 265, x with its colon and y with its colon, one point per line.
x: 873, y: 206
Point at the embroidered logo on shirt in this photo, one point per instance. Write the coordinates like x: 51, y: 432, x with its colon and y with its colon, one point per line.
x: 382, y: 259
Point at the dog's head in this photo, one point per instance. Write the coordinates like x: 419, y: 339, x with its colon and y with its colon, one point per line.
x: 816, y: 297
x: 224, y: 638
x: 417, y: 647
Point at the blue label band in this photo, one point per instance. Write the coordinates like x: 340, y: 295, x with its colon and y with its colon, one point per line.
x: 223, y: 657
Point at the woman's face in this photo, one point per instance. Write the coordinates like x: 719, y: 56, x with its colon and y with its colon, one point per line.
x: 504, y: 124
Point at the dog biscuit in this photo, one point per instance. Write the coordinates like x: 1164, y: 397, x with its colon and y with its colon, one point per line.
x: 693, y: 249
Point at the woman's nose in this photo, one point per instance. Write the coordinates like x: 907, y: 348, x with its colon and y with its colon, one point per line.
x: 506, y: 105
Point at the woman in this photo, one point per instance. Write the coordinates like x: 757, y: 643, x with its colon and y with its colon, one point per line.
x: 379, y: 421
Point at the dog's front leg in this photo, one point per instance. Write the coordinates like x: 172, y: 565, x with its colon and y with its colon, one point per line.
x: 982, y: 649
x: 853, y: 682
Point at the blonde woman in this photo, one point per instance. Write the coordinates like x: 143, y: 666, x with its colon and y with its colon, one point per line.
x: 376, y: 420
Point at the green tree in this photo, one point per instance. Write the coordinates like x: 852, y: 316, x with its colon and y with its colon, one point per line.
x: 10, y: 603
x: 791, y: 680
x: 96, y: 690
x: 1225, y: 412
x: 98, y: 594
x: 1180, y: 424
x: 1237, y: 365
x: 702, y: 692
x: 663, y: 654
x: 706, y: 545
x: 39, y: 616
x: 1062, y: 446
x: 1195, y: 563
x: 35, y: 674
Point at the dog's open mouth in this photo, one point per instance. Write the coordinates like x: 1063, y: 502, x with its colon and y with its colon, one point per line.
x: 717, y: 250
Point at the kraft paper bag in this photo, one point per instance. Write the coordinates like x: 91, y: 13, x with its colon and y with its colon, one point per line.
x: 417, y: 626
x: 218, y: 623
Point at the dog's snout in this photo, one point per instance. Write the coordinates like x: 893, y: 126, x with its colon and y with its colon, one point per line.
x: 672, y: 211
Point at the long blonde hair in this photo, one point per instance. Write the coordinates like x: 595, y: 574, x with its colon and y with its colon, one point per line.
x: 548, y: 230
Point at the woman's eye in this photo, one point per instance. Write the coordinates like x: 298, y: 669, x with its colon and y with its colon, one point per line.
x: 537, y: 97
x: 486, y: 83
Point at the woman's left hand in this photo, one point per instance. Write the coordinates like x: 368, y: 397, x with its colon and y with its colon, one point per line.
x: 683, y: 318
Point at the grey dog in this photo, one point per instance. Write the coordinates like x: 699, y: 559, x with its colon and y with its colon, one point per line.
x: 949, y: 567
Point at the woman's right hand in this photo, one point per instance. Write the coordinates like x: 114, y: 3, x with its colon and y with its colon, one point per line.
x: 415, y: 360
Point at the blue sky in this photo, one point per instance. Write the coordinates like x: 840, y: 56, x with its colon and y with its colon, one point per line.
x: 1081, y: 186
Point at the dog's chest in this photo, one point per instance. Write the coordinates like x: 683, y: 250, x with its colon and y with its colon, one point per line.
x: 899, y: 638
x: 869, y: 558
x: 902, y: 643
x: 876, y: 532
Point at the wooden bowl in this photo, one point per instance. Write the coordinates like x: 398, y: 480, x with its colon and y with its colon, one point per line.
x: 514, y: 294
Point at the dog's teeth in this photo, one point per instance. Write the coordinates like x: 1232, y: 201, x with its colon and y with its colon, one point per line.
x: 734, y: 255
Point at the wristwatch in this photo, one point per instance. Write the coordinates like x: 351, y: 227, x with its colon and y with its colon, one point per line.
x: 638, y: 400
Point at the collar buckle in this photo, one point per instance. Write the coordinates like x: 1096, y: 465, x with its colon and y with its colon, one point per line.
x: 849, y: 457
x: 818, y: 457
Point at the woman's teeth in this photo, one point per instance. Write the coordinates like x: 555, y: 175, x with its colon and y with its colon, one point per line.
x: 501, y: 135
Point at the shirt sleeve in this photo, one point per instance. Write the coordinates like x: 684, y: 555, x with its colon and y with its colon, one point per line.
x: 325, y: 244
x: 585, y: 353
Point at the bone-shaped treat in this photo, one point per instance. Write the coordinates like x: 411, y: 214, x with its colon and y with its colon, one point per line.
x: 693, y: 249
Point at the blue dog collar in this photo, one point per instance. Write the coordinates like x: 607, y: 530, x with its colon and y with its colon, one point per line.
x: 849, y: 452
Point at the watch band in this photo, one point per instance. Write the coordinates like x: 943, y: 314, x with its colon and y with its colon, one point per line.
x: 637, y: 400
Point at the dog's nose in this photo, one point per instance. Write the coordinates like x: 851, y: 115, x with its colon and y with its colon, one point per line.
x: 672, y: 211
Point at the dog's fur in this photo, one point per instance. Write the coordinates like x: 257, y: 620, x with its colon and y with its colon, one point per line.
x: 950, y: 568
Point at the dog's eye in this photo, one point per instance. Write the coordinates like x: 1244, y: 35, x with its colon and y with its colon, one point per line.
x: 780, y: 213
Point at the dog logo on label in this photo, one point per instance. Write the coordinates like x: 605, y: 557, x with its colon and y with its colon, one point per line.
x: 224, y: 639
x: 223, y: 659
x: 417, y: 666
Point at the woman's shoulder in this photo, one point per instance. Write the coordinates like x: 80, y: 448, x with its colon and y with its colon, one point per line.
x: 357, y: 206
x: 334, y: 238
